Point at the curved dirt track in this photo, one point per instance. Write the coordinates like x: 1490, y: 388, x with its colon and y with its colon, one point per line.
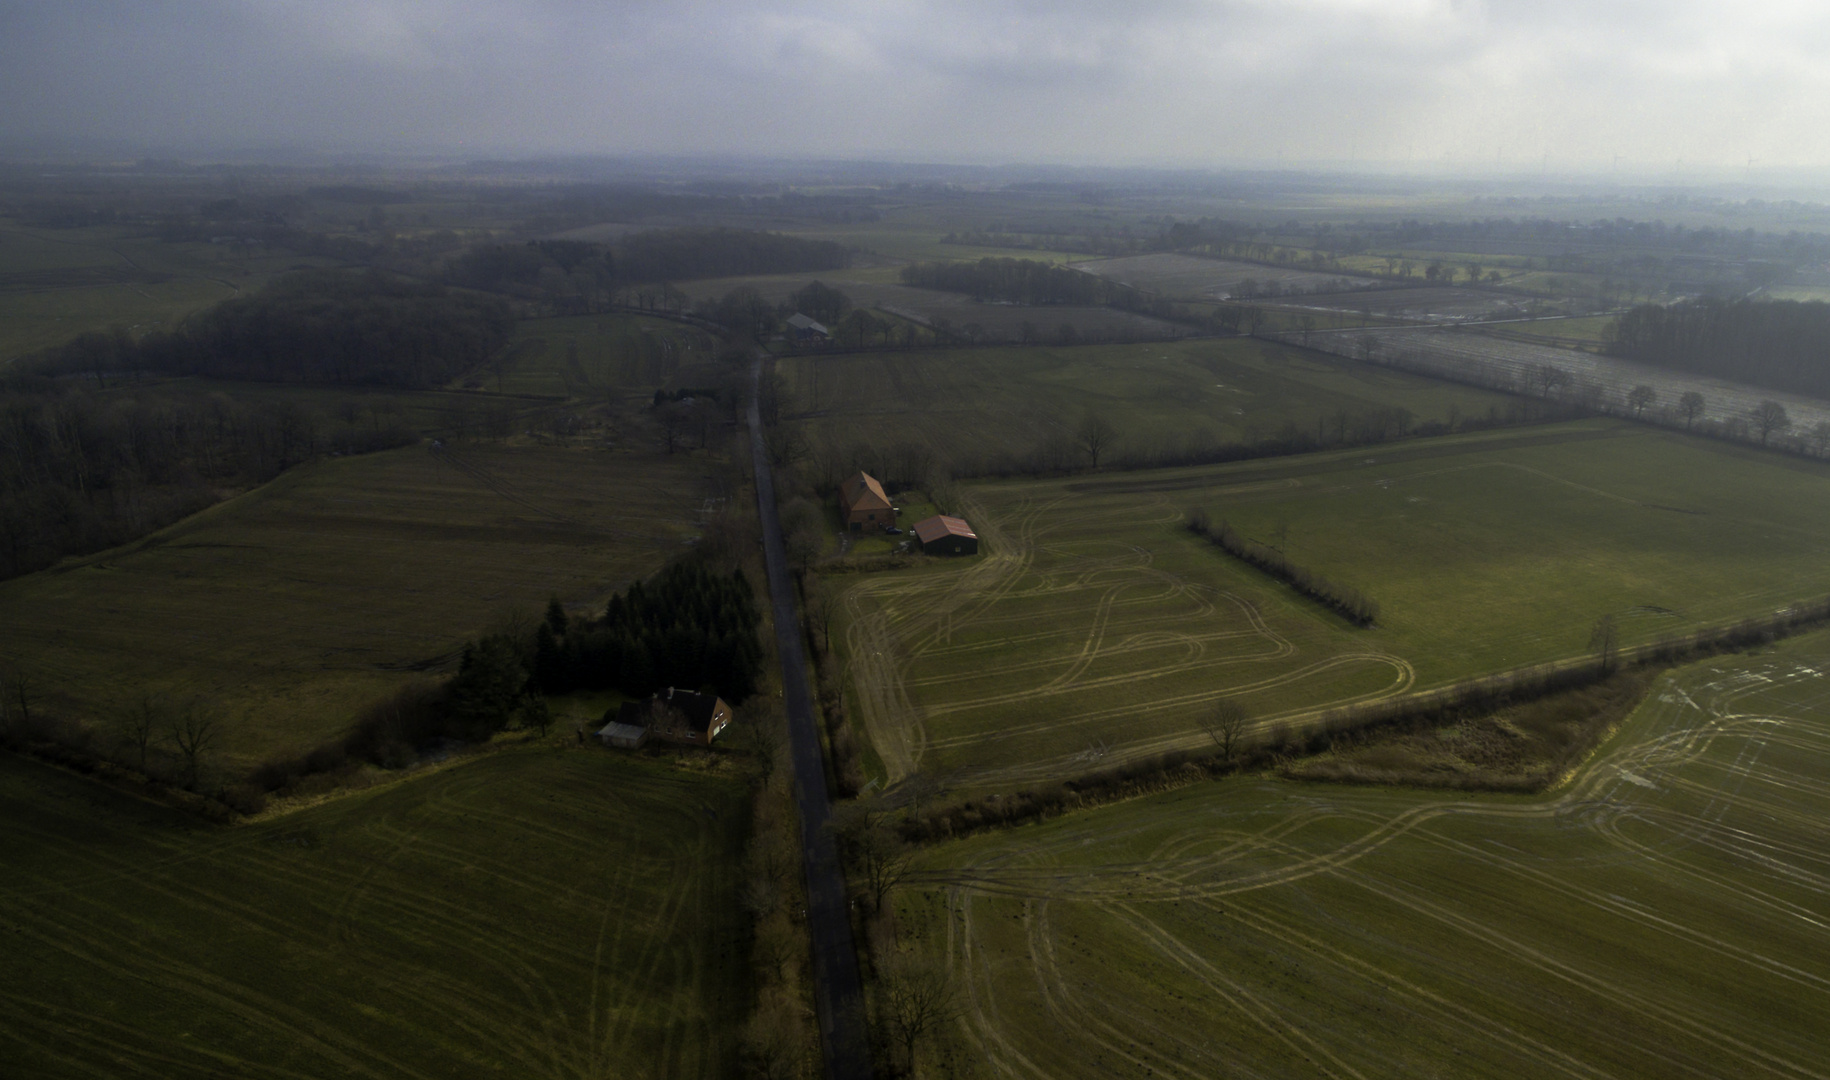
x: 1267, y: 929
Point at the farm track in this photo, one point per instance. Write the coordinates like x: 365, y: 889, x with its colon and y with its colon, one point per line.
x: 1519, y: 937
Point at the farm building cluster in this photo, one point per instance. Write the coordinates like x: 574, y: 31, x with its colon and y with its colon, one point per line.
x: 865, y: 507
x: 673, y: 715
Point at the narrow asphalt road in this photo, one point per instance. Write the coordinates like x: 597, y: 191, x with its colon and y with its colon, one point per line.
x: 838, y: 990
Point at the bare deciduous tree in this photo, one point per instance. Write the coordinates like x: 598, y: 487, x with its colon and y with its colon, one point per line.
x: 1225, y: 724
x: 1690, y: 406
x: 140, y: 723
x: 1641, y: 398
x: 1603, y: 642
x: 918, y: 998
x: 1769, y: 419
x: 194, y: 731
x: 1095, y: 435
x: 879, y: 857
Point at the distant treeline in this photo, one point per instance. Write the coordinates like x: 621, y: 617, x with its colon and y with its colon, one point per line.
x: 690, y: 627
x: 1782, y: 344
x: 1354, y: 605
x: 319, y: 326
x: 84, y: 470
x: 575, y: 275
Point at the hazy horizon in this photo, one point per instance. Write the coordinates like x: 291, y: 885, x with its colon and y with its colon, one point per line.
x: 1642, y: 92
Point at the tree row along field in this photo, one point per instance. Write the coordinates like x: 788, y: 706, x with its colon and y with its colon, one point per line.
x: 1519, y: 365
x: 1096, y: 625
x: 297, y: 604
x: 1190, y: 277
x: 537, y: 912
x: 970, y: 409
x: 1659, y: 916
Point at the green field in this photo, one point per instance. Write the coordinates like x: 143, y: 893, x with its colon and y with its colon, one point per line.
x: 968, y: 406
x: 1661, y: 916
x: 293, y: 606
x: 598, y: 356
x: 1094, y: 624
x: 536, y: 912
x: 58, y: 283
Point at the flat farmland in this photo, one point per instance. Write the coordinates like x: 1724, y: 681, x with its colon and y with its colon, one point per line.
x: 1426, y: 305
x: 295, y: 605
x: 594, y: 355
x: 1462, y: 354
x: 58, y: 283
x: 535, y: 912
x: 1191, y: 277
x: 972, y: 405
x: 1660, y: 916
x: 1093, y: 624
x: 929, y: 307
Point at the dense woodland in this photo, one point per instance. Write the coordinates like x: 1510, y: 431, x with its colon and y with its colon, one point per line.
x: 1782, y: 344
x: 691, y: 627
x: 320, y: 326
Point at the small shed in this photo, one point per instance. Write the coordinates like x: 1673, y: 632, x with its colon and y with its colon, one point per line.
x: 945, y: 535
x: 863, y: 504
x: 622, y: 736
x: 805, y: 331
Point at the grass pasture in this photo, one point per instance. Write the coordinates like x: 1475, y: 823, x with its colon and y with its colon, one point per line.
x: 1094, y: 624
x: 293, y: 606
x: 1661, y: 916
x: 58, y: 283
x: 973, y: 405
x: 534, y: 912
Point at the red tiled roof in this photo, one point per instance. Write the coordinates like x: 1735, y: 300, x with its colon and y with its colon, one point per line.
x: 941, y: 525
x: 863, y: 490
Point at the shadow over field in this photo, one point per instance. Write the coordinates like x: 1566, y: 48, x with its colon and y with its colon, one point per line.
x: 1094, y: 625
x: 1663, y: 916
x: 295, y: 605
x: 534, y: 913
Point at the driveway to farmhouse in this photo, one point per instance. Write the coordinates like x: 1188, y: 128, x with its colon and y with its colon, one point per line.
x: 838, y: 991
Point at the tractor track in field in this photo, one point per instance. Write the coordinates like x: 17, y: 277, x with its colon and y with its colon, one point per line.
x: 1708, y: 752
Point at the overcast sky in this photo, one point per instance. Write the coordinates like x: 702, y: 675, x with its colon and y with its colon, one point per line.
x: 1215, y: 83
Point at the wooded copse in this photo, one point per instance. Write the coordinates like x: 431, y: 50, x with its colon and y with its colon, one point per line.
x: 81, y: 470
x: 1351, y: 603
x: 690, y: 627
x: 318, y: 326
x: 1783, y: 344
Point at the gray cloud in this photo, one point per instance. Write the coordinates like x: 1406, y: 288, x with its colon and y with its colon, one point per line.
x: 1173, y: 81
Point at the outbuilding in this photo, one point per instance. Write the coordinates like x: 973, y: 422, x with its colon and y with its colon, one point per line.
x: 622, y: 736
x: 805, y: 331
x: 946, y: 535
